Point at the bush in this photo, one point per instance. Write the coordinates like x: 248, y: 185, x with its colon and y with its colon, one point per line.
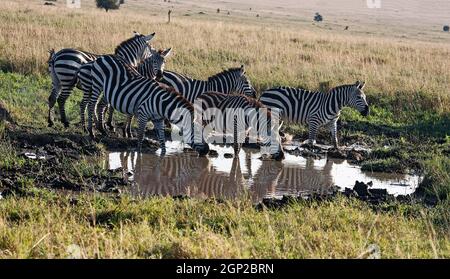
x: 109, y: 4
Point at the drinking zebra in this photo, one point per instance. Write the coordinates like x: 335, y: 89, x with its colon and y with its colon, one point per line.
x: 151, y: 67
x: 65, y: 64
x: 316, y: 108
x: 245, y: 114
x: 130, y: 93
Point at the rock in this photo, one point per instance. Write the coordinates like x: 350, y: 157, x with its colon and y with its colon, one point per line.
x: 361, y: 189
x: 337, y: 153
x: 213, y: 153
x: 228, y: 155
x: 355, y: 156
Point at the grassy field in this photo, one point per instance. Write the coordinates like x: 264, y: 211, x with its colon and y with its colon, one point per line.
x: 407, y: 86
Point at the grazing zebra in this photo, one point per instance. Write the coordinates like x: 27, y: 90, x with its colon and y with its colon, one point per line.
x: 130, y: 93
x: 245, y: 113
x: 151, y: 67
x: 316, y: 108
x: 233, y: 80
x: 65, y: 64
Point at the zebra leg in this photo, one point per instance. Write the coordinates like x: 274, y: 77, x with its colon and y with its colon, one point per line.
x: 91, y: 112
x: 236, y: 140
x: 333, y: 130
x: 56, y: 90
x: 159, y: 128
x: 101, y: 109
x: 142, y: 119
x: 65, y: 93
x: 84, y: 103
x: 109, y: 122
x: 313, y: 129
x: 128, y: 133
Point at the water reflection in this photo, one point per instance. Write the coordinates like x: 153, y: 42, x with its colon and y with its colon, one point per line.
x: 183, y: 173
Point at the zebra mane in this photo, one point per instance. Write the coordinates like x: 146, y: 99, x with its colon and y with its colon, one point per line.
x: 130, y: 69
x: 256, y: 104
x: 127, y: 41
x: 225, y: 72
x: 336, y: 89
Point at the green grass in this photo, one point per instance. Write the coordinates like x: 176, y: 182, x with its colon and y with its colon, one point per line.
x: 46, y: 225
x: 38, y: 223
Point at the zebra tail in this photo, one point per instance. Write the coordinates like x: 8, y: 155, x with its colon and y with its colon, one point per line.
x: 55, y: 80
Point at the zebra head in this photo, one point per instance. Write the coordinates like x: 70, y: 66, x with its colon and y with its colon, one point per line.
x: 243, y: 85
x: 135, y: 49
x: 153, y: 67
x: 357, y: 98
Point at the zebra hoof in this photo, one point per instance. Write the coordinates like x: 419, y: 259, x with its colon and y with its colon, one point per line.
x: 50, y: 124
x: 111, y: 128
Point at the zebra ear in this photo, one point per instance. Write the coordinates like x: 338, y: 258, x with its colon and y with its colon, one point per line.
x: 149, y: 37
x: 242, y: 69
x: 361, y: 85
x: 136, y: 33
x: 166, y: 52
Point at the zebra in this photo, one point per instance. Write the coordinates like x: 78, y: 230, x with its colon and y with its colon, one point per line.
x: 233, y: 80
x: 65, y: 64
x: 316, y: 108
x: 151, y: 67
x: 245, y: 113
x: 130, y: 93
x: 63, y: 67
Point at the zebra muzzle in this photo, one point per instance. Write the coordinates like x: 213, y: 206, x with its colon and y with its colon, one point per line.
x: 366, y: 111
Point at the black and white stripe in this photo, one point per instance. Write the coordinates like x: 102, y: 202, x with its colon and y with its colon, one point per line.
x: 233, y: 80
x: 245, y: 114
x: 63, y: 67
x: 182, y: 175
x: 316, y: 108
x: 151, y: 67
x: 133, y: 94
x: 66, y: 63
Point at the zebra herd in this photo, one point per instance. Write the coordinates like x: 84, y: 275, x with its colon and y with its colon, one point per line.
x: 133, y: 81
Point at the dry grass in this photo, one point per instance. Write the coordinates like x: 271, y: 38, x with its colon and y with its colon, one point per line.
x: 46, y: 226
x: 274, y: 55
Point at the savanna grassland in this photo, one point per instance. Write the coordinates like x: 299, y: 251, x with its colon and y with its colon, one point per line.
x: 408, y: 83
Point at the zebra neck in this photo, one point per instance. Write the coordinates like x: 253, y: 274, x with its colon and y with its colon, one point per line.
x: 129, y: 58
x: 221, y: 85
x: 336, y: 100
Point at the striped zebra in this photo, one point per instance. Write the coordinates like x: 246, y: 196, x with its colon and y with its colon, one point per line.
x: 63, y: 67
x: 316, y: 108
x: 233, y: 80
x: 245, y: 114
x: 65, y: 64
x: 151, y: 67
x: 130, y: 93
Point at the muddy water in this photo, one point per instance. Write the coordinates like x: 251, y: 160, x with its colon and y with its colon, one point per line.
x: 183, y: 173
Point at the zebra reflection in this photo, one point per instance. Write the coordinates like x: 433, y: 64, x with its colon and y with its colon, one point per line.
x: 183, y: 175
x: 276, y: 179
